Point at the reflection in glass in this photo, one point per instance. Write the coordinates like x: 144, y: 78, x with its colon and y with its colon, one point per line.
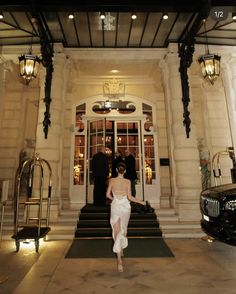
x: 78, y: 172
x: 121, y: 140
x: 148, y: 173
x: 149, y: 157
x: 78, y: 175
x: 80, y: 111
x: 147, y: 110
x: 133, y: 128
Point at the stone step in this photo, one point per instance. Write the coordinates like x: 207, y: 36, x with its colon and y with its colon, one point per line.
x: 65, y: 227
x: 168, y: 218
x: 107, y: 232
x: 165, y: 212
x: 183, y: 233
x: 106, y: 223
x: 164, y: 224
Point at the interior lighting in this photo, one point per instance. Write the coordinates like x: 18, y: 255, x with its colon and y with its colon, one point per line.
x: 210, y: 63
x: 165, y: 16
x: 71, y: 16
x: 102, y: 15
x: 29, y: 63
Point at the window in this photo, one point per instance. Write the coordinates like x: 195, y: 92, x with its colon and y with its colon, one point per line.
x: 149, y: 150
x: 79, y: 147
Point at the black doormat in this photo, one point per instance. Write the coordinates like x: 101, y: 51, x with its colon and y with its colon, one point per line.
x: 102, y: 248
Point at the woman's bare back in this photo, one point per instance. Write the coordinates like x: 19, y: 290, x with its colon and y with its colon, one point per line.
x: 120, y: 187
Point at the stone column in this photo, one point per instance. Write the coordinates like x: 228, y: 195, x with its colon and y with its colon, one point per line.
x: 51, y: 148
x: 5, y: 67
x: 228, y: 73
x: 186, y: 181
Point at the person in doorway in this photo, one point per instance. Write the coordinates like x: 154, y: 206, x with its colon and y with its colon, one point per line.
x: 116, y: 161
x: 119, y: 191
x: 100, y: 171
x: 130, y: 170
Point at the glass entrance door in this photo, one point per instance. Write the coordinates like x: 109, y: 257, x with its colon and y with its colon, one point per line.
x: 115, y: 135
x: 96, y: 139
x: 127, y: 136
x: 121, y: 131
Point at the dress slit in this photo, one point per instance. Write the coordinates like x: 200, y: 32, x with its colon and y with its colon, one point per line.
x: 120, y: 214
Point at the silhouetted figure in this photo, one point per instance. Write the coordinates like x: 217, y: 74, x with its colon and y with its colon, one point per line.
x: 116, y: 161
x: 130, y: 170
x: 100, y: 170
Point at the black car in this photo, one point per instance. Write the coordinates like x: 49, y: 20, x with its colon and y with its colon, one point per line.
x: 218, y: 208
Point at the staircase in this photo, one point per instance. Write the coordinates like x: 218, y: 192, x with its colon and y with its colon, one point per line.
x: 94, y: 222
x: 64, y: 228
x: 172, y: 228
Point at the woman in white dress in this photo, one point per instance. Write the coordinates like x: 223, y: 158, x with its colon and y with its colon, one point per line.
x: 119, y: 191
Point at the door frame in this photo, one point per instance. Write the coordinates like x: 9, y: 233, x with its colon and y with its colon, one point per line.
x: 78, y: 193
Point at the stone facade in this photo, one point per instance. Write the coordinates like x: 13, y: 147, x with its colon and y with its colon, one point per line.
x: 151, y: 75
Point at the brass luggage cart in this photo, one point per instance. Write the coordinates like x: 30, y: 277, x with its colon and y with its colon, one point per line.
x: 216, y: 168
x: 34, y: 224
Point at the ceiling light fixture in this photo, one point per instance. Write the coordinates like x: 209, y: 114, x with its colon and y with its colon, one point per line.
x: 114, y: 71
x: 102, y: 15
x: 71, y: 16
x: 234, y: 16
x: 165, y: 16
x: 210, y: 63
x: 133, y: 16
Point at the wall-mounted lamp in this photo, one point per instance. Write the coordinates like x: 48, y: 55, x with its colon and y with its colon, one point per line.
x: 1, y: 15
x: 165, y: 16
x: 234, y: 16
x: 29, y: 63
x: 210, y: 63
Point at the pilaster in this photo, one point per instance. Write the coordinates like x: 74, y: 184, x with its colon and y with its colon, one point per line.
x: 228, y: 72
x: 185, y: 158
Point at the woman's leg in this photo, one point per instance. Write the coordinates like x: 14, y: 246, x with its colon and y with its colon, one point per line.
x: 116, y: 230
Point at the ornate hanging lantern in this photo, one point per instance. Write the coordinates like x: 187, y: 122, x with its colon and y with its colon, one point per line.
x: 29, y: 63
x: 210, y: 63
x: 210, y: 66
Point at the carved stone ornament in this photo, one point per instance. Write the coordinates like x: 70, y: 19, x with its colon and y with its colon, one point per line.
x: 113, y: 88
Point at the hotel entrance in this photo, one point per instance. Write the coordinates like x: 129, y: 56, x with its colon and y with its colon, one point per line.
x: 116, y: 130
x: 115, y: 135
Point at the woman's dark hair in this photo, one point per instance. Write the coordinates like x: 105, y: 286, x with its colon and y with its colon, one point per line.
x: 121, y: 167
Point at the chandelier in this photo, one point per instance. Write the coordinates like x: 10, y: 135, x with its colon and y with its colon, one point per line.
x: 29, y: 63
x: 210, y: 63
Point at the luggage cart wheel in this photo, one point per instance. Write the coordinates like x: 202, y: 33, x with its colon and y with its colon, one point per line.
x: 36, y: 245
x: 17, y: 245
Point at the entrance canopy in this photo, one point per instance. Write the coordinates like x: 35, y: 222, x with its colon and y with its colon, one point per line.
x: 117, y: 29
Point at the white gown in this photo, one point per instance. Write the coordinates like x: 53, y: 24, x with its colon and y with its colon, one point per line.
x: 120, y: 209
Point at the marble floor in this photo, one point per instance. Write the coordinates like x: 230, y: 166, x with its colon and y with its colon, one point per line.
x: 198, y: 267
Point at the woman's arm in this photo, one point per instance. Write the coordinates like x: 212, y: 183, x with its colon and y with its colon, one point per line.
x: 133, y: 199
x: 109, y: 194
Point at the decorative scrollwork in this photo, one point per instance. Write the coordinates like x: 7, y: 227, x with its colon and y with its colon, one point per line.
x: 186, y: 50
x: 47, y: 55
